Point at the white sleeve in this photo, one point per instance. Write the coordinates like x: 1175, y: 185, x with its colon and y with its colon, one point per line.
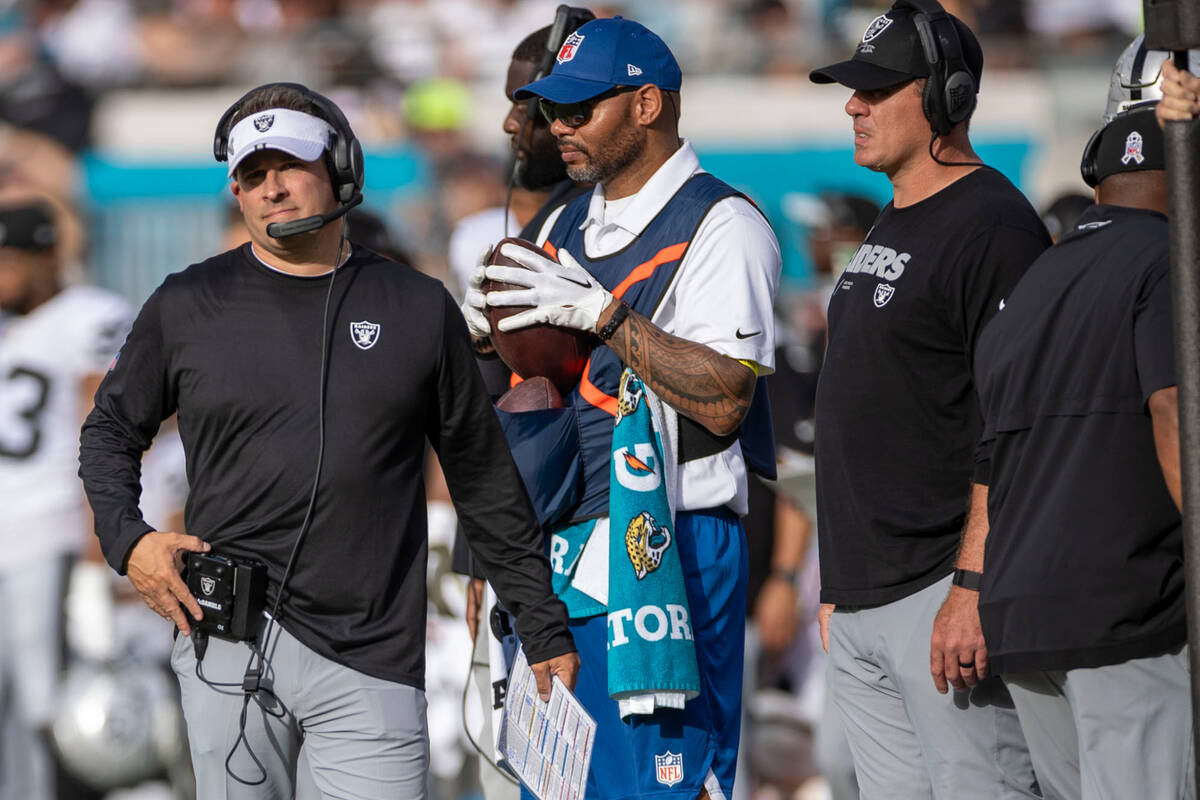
x: 724, y: 292
x: 103, y: 321
x: 470, y: 235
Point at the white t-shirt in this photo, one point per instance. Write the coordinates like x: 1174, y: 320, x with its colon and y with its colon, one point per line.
x: 44, y: 358
x: 733, y: 317
x: 470, y: 236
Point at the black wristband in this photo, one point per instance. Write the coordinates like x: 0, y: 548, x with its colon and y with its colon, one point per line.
x: 967, y: 579
x: 614, y: 322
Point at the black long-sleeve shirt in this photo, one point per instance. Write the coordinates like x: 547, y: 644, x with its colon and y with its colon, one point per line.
x: 235, y: 348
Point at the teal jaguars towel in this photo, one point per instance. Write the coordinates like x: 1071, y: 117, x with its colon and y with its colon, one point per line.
x: 651, y: 654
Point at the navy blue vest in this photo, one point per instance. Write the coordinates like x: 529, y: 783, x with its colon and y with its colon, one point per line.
x: 640, y: 274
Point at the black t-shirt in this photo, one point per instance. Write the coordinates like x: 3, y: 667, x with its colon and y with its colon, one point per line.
x: 897, y: 419
x: 235, y: 347
x: 1084, y: 561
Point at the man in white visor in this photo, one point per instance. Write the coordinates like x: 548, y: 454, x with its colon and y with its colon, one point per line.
x: 308, y: 373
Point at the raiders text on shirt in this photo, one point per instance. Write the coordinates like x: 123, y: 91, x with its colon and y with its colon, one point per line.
x: 876, y: 259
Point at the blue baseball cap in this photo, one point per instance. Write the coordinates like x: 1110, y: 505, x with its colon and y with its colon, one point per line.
x: 603, y: 54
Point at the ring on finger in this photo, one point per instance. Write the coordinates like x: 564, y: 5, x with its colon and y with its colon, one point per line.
x: 971, y: 665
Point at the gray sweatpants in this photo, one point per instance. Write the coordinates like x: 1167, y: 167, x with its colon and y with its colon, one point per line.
x: 1122, y: 731
x: 328, y: 731
x: 909, y: 741
x: 31, y: 607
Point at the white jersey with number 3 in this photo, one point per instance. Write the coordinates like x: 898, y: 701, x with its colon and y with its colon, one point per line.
x: 45, y: 356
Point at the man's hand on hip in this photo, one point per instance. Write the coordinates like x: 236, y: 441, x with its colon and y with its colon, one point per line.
x: 561, y: 292
x: 566, y: 667
x: 957, y: 653
x: 154, y: 568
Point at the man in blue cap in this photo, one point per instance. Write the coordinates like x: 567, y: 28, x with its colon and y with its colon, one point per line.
x: 675, y: 272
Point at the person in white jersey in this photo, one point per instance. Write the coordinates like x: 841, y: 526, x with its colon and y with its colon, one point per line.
x: 55, y: 344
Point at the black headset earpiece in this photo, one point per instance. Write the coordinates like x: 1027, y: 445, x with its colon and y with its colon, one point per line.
x: 1088, y: 168
x: 343, y: 156
x: 567, y: 20
x: 950, y: 92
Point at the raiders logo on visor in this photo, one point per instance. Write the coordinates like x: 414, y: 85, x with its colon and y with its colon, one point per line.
x: 263, y: 123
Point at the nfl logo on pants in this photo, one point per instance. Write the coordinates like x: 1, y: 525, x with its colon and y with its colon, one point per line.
x: 669, y: 768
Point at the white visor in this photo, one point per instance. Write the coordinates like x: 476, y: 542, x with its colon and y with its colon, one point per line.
x: 294, y: 132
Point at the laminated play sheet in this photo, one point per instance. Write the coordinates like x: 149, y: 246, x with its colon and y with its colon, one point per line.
x: 548, y: 745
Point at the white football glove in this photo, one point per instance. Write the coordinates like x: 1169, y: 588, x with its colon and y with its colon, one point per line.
x: 474, y: 306
x: 561, y: 292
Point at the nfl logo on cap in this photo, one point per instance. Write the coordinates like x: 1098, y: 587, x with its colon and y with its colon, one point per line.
x: 1133, y: 148
x: 668, y: 768
x: 567, y: 51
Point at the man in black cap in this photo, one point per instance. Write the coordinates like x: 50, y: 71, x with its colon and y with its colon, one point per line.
x: 1082, y: 600
x: 898, y: 420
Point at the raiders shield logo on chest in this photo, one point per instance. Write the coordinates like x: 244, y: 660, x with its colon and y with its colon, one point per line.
x: 364, y: 334
x: 883, y: 293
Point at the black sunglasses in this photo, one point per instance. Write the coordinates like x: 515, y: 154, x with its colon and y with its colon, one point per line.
x: 574, y: 115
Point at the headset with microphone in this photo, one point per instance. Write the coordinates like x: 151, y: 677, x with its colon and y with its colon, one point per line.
x: 950, y: 93
x: 343, y: 156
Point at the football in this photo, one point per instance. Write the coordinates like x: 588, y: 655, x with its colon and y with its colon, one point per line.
x: 534, y: 394
x: 549, y: 351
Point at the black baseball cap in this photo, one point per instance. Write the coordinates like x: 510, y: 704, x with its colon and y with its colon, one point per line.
x: 1131, y: 142
x: 890, y: 52
x: 28, y: 226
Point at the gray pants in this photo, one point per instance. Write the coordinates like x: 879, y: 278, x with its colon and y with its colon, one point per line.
x: 1122, y: 731
x: 328, y: 731
x: 909, y: 741
x: 31, y: 605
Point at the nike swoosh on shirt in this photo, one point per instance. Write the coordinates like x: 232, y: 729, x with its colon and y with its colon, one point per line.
x: 584, y: 284
x: 741, y: 335
x: 1001, y: 303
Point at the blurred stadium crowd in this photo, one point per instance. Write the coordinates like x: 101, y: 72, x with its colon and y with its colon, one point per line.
x: 90, y: 90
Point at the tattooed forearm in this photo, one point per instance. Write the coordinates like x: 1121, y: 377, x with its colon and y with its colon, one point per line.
x: 694, y: 379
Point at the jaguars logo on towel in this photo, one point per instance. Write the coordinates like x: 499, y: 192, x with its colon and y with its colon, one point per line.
x: 630, y: 396
x: 646, y: 541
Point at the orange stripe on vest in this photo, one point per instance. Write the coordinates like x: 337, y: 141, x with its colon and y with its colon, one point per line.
x: 646, y: 269
x: 639, y: 273
x: 593, y: 395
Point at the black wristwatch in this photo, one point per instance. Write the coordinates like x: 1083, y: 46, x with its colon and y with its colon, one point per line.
x: 967, y: 579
